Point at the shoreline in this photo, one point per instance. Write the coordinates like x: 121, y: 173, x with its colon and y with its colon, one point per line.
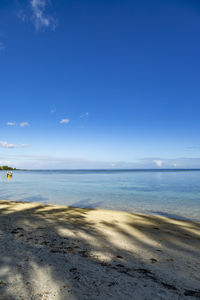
x: 156, y: 213
x: 61, y: 252
x: 114, y: 170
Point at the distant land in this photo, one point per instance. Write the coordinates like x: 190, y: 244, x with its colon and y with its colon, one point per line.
x: 109, y: 170
x: 6, y: 168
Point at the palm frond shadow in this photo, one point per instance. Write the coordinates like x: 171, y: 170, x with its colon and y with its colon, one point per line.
x: 46, y: 245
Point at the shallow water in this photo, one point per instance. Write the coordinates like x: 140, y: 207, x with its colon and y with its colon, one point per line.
x: 170, y: 193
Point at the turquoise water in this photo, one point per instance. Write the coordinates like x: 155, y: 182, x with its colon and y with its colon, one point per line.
x: 170, y: 193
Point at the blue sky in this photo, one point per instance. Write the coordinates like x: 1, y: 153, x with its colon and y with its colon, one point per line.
x: 100, y: 84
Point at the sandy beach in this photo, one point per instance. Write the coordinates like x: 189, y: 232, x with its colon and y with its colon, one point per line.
x: 59, y: 252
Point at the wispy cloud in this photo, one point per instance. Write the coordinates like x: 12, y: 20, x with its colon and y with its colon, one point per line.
x: 158, y: 162
x: 22, y: 16
x: 4, y: 144
x: 40, y: 18
x: 64, y: 121
x: 37, y: 12
x: 53, y: 108
x: 168, y: 163
x: 193, y: 147
x: 24, y: 124
x: 50, y: 162
x: 11, y: 124
x: 84, y: 115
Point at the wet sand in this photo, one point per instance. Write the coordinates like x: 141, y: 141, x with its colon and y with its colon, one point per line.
x: 59, y: 252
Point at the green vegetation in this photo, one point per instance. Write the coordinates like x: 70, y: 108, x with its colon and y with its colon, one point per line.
x: 2, y: 283
x: 6, y: 168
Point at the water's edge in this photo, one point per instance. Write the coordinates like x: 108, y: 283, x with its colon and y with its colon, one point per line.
x: 171, y: 193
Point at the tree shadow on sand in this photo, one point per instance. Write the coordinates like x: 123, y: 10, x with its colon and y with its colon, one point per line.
x: 57, y: 252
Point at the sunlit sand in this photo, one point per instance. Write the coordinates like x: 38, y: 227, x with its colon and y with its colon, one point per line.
x: 58, y: 252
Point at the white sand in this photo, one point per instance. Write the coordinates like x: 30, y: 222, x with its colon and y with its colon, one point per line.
x: 58, y: 252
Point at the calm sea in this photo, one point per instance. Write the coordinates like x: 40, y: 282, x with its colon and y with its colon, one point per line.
x: 169, y: 193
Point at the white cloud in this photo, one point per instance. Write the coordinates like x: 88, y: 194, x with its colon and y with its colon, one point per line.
x: 5, y: 144
x: 64, y: 121
x: 11, y: 124
x: 168, y: 163
x: 40, y: 18
x: 84, y: 115
x: 158, y: 162
x: 24, y: 124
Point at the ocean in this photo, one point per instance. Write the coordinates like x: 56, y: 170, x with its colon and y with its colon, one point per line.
x: 174, y: 193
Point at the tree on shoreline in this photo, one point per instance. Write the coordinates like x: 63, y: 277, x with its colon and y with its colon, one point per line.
x: 6, y: 168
